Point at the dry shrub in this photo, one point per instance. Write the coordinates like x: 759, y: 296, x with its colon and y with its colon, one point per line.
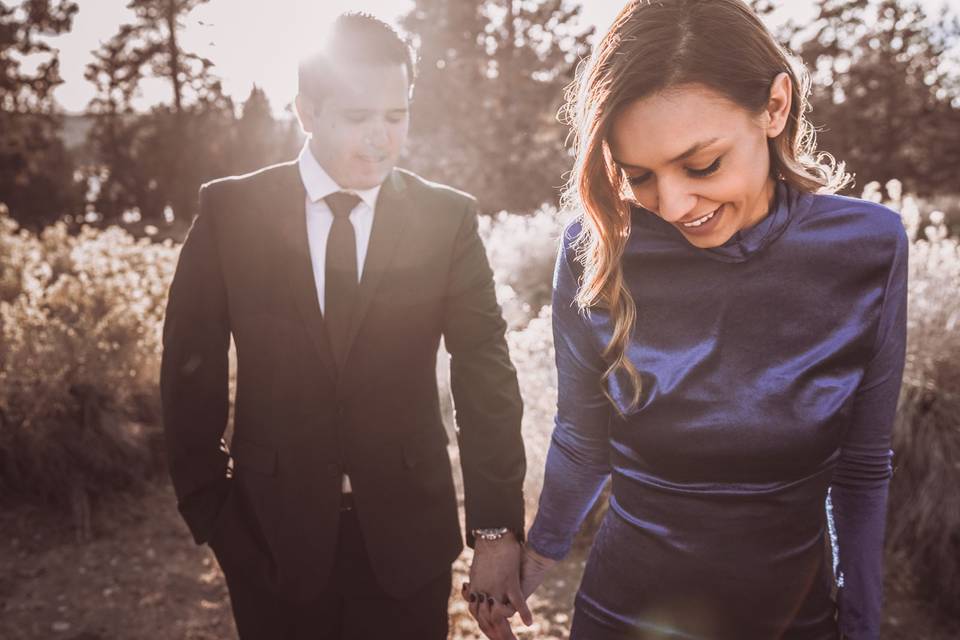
x: 531, y: 350
x: 924, y: 514
x: 522, y: 250
x: 80, y: 322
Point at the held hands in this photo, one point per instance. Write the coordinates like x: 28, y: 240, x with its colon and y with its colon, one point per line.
x: 503, y: 575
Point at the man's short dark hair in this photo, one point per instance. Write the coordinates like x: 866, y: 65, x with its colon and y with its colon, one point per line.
x: 354, y: 37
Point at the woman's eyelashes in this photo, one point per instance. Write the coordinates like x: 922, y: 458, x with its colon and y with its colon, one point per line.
x: 706, y: 171
x: 691, y: 171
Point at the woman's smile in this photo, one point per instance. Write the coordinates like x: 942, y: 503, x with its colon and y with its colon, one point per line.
x: 702, y: 225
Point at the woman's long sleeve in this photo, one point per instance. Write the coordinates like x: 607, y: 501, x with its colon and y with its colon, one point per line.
x: 860, y: 483
x: 578, y: 462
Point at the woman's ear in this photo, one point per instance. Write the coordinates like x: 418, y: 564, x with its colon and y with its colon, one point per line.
x: 778, y: 106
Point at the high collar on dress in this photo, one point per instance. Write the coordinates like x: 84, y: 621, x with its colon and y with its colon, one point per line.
x: 746, y: 242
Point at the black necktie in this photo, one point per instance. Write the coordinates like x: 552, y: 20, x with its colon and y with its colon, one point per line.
x: 341, y: 282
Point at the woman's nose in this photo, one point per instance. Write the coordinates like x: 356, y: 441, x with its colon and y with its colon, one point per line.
x: 673, y: 203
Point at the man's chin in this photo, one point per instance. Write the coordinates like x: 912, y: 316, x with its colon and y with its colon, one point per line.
x: 365, y: 181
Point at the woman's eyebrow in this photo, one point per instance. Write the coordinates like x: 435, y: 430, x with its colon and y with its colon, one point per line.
x: 694, y: 148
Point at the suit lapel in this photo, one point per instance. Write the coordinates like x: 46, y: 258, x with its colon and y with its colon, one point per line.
x: 390, y: 218
x: 297, y: 269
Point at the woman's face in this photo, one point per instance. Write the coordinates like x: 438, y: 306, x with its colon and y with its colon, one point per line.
x: 698, y: 160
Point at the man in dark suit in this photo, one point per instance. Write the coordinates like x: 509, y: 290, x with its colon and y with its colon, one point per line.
x: 333, y: 513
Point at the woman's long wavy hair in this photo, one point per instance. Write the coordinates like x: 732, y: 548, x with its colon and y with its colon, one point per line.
x: 653, y: 45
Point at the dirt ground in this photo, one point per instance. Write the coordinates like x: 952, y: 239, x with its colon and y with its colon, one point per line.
x: 142, y: 578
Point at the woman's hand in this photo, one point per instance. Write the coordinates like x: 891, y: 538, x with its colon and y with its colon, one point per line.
x: 493, y: 616
x: 533, y: 569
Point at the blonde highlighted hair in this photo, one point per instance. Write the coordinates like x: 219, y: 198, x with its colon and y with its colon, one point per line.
x: 653, y: 45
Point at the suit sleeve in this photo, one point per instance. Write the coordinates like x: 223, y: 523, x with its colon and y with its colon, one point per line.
x: 485, y: 389
x: 193, y: 377
x: 860, y: 484
x: 578, y: 460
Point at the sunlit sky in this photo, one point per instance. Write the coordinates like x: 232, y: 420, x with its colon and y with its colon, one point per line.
x: 258, y: 41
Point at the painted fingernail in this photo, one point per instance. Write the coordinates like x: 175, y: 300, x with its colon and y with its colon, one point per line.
x: 489, y: 601
x: 473, y: 597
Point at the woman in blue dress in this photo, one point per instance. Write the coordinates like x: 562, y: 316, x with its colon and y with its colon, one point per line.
x: 729, y: 343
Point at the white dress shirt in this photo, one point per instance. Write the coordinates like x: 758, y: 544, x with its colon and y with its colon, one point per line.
x: 319, y: 185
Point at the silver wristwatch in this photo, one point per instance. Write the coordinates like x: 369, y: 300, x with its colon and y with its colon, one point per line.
x: 490, y: 534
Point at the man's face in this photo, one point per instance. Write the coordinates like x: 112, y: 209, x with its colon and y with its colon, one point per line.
x: 358, y: 131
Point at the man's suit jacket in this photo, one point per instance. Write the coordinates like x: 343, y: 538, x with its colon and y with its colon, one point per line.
x: 301, y: 421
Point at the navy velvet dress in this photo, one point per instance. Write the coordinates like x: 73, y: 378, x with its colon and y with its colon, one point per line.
x: 771, y: 369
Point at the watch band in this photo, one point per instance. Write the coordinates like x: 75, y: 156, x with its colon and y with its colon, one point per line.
x: 490, y: 534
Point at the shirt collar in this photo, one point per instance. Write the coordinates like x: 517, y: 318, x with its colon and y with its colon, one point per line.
x: 319, y: 184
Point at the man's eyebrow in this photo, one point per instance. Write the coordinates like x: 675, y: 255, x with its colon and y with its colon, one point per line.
x: 694, y: 148
x: 372, y: 110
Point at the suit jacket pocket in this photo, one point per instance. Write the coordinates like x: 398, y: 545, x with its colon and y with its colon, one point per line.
x: 223, y: 512
x: 256, y: 499
x: 238, y: 543
x: 254, y: 456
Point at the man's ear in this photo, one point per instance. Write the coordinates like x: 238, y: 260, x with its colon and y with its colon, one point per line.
x: 778, y: 106
x: 305, y: 107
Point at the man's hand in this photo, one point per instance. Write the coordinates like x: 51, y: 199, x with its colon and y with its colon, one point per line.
x: 533, y: 569
x: 494, y: 589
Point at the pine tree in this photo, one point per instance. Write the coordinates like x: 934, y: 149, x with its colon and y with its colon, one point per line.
x: 260, y: 139
x: 887, y: 102
x: 492, y: 75
x: 179, y: 144
x: 36, y: 172
x: 119, y: 182
x: 155, y: 38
